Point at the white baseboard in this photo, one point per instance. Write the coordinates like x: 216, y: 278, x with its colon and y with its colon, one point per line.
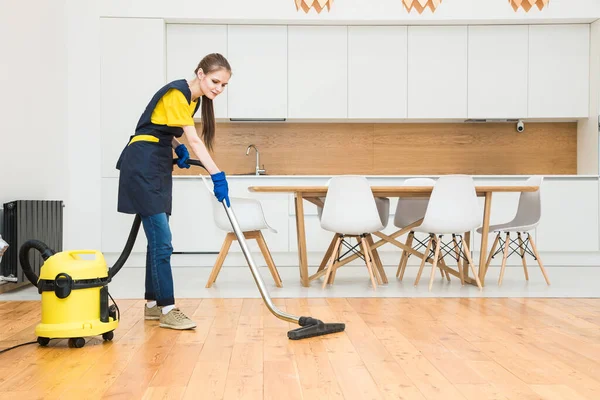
x: 591, y: 259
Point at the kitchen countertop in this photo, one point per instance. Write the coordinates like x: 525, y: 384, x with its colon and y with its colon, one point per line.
x: 269, y: 177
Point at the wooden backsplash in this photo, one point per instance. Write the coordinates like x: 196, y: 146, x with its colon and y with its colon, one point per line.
x: 396, y: 149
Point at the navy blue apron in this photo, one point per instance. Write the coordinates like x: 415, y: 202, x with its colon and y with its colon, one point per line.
x: 146, y: 163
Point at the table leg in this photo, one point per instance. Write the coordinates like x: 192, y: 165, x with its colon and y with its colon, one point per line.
x: 301, y: 233
x: 485, y: 229
x: 467, y: 240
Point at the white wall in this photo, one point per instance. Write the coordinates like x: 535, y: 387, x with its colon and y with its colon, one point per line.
x: 82, y: 214
x: 51, y: 134
x: 33, y: 78
x: 380, y: 11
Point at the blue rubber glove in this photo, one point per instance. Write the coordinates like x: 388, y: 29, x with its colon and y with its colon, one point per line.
x: 220, y: 187
x: 184, y: 155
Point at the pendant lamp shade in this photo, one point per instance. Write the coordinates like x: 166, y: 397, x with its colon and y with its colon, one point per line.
x: 421, y: 5
x: 318, y: 5
x: 527, y: 4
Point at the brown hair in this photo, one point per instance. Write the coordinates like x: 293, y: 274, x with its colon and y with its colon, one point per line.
x: 210, y: 63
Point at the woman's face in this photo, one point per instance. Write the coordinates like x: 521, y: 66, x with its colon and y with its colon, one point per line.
x: 213, y: 83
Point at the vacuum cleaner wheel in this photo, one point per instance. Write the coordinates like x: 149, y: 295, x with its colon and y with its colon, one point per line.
x: 77, y: 342
x: 43, y: 341
x: 108, y: 335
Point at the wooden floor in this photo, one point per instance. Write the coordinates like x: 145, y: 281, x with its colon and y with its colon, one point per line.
x: 392, y: 349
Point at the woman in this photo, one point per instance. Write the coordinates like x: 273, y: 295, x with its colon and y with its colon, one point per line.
x: 146, y: 165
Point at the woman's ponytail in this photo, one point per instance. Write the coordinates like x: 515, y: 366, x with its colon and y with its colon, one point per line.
x: 208, y: 122
x: 211, y: 62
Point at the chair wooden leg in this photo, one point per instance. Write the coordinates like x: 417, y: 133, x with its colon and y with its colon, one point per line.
x: 539, y: 260
x: 331, y: 261
x: 489, y: 260
x: 369, y: 257
x: 337, y: 254
x: 458, y: 261
x: 522, y: 250
x: 429, y: 244
x: 438, y: 245
x: 443, y: 266
x: 325, y: 259
x: 470, y: 262
x: 268, y: 258
x: 370, y: 267
x: 375, y: 257
x: 220, y: 259
x: 377, y: 269
x: 441, y: 263
x: 404, y: 257
x: 504, y: 257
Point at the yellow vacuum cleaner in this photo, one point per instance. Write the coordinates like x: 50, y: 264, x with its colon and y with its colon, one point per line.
x: 75, y: 298
x: 75, y: 293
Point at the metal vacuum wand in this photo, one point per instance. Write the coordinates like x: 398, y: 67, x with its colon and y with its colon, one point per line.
x: 309, y: 326
x: 255, y: 273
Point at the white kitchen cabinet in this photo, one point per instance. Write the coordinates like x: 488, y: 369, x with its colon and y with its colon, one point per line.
x: 569, y: 220
x: 132, y: 69
x: 317, y: 72
x: 258, y: 57
x: 377, y: 65
x: 559, y: 70
x: 437, y: 72
x: 498, y: 59
x: 187, y: 44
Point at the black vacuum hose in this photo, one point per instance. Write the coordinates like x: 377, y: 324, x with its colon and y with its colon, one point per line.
x: 135, y: 227
x: 46, y: 251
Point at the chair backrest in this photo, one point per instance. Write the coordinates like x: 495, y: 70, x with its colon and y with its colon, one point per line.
x: 409, y: 210
x: 529, y: 210
x: 249, y: 213
x: 350, y: 206
x: 453, y: 206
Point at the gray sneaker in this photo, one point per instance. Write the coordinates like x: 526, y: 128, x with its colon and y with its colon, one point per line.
x: 175, y: 319
x: 152, y: 312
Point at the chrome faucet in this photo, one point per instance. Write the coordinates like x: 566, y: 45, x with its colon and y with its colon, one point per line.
x: 259, y: 171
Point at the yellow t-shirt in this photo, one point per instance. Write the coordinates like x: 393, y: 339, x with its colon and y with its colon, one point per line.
x: 173, y: 110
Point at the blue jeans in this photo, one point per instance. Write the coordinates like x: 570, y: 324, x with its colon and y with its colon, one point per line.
x: 159, y: 278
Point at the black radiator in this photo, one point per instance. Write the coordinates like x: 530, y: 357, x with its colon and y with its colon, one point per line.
x: 30, y: 219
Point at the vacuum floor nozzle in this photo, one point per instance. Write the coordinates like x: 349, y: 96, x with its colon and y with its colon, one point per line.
x: 310, y: 327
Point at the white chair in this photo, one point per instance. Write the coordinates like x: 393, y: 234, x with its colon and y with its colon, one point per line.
x: 409, y: 210
x: 350, y: 209
x: 452, y: 209
x: 251, y: 220
x: 527, y: 218
x: 383, y: 207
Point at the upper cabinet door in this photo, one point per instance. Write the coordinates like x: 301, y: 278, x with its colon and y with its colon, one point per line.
x: 377, y: 64
x: 186, y: 46
x: 317, y: 72
x: 258, y: 57
x: 498, y: 71
x: 559, y: 70
x: 132, y: 69
x: 437, y: 72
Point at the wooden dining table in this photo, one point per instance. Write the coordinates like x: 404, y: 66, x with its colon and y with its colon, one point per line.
x: 313, y: 194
